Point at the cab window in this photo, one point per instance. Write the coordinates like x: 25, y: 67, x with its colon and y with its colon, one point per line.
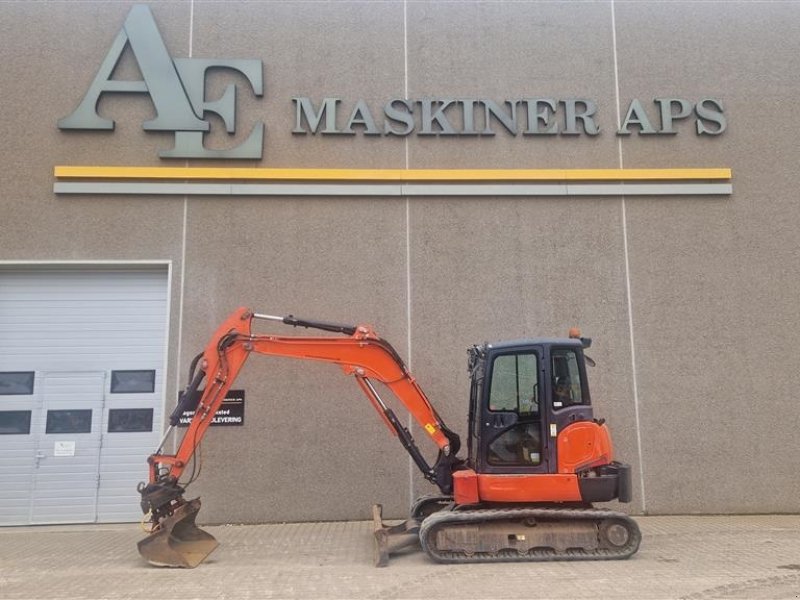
x: 567, y: 388
x: 515, y: 384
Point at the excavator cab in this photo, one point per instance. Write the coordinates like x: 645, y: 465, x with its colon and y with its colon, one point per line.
x: 531, y: 416
x: 522, y: 394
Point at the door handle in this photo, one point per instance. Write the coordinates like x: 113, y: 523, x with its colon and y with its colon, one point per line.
x: 498, y: 422
x: 40, y: 455
x: 501, y: 420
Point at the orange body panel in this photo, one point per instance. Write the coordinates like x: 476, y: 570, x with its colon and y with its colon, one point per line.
x: 465, y: 487
x: 582, y: 445
x: 528, y: 488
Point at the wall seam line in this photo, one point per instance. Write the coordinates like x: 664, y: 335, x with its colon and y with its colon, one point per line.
x: 183, y: 253
x: 626, y: 254
x: 408, y: 245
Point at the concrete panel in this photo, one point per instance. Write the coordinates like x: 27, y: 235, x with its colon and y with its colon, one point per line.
x: 312, y: 446
x: 347, y: 50
x: 48, y: 63
x: 513, y: 50
x: 500, y: 268
x: 715, y: 281
x: 515, y: 274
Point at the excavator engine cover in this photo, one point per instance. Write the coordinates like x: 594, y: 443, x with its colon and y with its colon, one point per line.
x: 178, y: 541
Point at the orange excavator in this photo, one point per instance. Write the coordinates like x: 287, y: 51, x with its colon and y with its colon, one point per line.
x: 536, y: 457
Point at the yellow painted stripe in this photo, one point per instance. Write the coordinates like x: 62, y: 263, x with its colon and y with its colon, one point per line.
x: 239, y: 173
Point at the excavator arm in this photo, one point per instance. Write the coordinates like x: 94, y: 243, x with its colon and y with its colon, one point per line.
x: 176, y: 541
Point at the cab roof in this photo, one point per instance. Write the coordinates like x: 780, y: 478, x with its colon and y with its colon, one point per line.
x: 512, y: 344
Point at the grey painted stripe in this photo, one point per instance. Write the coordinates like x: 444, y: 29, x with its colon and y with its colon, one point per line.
x: 568, y: 189
x: 485, y: 189
x: 650, y: 189
x: 394, y: 189
x: 315, y: 189
x: 226, y: 189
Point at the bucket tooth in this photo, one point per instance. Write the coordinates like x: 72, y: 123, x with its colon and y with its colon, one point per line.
x: 178, y: 542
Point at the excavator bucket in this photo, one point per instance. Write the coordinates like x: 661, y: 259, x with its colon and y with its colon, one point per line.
x: 178, y: 542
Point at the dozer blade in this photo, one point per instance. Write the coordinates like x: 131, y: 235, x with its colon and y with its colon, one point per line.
x: 178, y: 542
x: 390, y: 539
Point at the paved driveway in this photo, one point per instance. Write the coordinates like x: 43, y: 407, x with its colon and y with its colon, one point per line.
x: 681, y: 557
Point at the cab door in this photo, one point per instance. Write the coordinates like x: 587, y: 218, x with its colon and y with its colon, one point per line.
x: 512, y: 416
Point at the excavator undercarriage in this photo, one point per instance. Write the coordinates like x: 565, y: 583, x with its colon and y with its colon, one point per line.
x: 510, y: 534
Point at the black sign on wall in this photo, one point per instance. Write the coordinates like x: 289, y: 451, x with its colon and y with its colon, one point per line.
x: 230, y: 412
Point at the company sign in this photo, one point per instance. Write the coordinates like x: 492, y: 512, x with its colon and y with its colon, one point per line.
x: 484, y: 117
x: 230, y: 412
x: 176, y: 87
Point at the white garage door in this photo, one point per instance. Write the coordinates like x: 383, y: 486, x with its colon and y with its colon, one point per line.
x: 81, y: 390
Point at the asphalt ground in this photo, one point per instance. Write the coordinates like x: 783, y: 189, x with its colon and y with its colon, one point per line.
x: 752, y: 557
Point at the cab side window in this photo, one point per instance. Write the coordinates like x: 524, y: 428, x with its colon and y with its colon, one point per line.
x: 566, y: 384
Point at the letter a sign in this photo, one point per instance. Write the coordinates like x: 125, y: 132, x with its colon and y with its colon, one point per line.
x: 177, y: 89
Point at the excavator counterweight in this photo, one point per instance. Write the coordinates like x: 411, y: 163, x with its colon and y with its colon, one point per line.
x: 537, y: 459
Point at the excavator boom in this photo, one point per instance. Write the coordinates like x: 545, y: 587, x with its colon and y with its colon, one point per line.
x: 175, y: 540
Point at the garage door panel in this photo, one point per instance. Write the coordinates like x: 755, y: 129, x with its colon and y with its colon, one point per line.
x: 63, y: 490
x: 8, y: 495
x: 119, y: 481
x: 67, y: 514
x: 88, y: 346
x: 67, y: 474
x: 123, y: 499
x: 127, y: 455
x: 21, y: 477
x: 122, y: 495
x: 65, y: 326
x: 131, y: 458
x: 118, y: 443
x: 97, y: 337
x: 68, y: 360
x: 131, y: 461
x: 12, y: 456
x: 15, y: 473
x: 73, y: 326
x: 15, y: 515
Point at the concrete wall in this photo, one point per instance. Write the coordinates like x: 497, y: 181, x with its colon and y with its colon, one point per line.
x: 696, y: 374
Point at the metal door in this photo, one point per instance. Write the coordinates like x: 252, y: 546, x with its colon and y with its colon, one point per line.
x: 65, y: 478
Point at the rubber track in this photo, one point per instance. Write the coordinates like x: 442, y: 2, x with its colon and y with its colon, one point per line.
x: 429, y: 499
x: 430, y: 526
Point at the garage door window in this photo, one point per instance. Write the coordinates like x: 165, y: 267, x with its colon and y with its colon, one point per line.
x: 16, y: 383
x: 69, y: 421
x: 133, y: 382
x: 15, y: 422
x: 130, y: 419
